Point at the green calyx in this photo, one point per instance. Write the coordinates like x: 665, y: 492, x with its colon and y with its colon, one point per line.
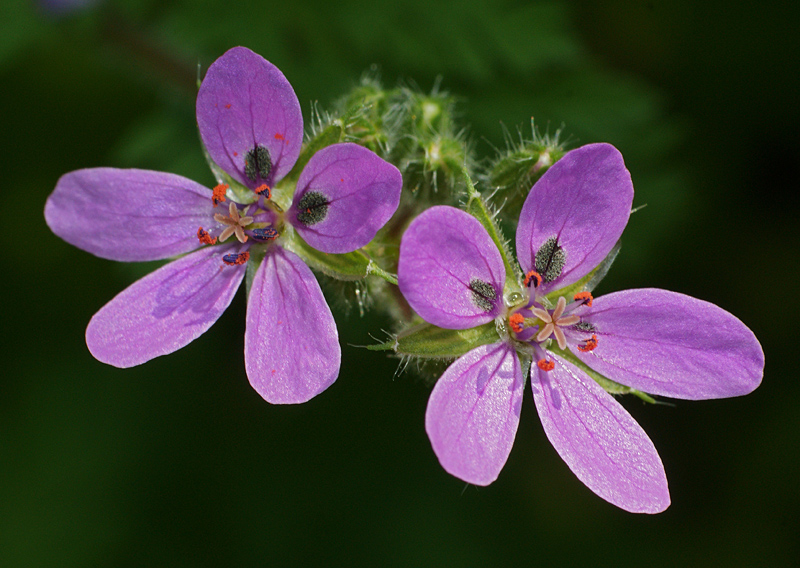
x: 427, y: 341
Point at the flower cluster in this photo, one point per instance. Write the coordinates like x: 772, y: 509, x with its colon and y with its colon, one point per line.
x: 383, y: 186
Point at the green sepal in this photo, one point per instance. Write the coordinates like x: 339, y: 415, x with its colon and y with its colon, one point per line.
x: 588, y: 282
x: 348, y: 266
x: 608, y: 385
x: 428, y: 341
x: 478, y: 208
x: 257, y: 254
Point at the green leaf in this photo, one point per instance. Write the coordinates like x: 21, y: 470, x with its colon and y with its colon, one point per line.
x: 428, y: 341
x: 349, y: 266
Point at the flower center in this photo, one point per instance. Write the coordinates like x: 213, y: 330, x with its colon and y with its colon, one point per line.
x: 234, y: 224
x: 535, y: 324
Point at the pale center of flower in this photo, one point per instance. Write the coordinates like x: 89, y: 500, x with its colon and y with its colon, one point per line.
x: 553, y: 322
x: 235, y: 224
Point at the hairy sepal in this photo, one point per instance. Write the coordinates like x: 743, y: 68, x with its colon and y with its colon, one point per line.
x: 430, y: 342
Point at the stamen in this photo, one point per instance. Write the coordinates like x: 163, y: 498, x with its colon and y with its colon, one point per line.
x: 516, y: 321
x: 585, y: 326
x: 205, y: 238
x: 534, y: 278
x: 219, y: 193
x: 589, y: 345
x: 234, y: 259
x: 546, y: 365
x: 264, y: 191
x: 584, y: 297
x: 265, y: 234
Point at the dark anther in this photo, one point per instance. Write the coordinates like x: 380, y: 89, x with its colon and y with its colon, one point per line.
x: 257, y: 163
x: 234, y: 259
x: 550, y: 260
x: 483, y: 294
x: 265, y: 234
x: 585, y: 326
x: 312, y: 209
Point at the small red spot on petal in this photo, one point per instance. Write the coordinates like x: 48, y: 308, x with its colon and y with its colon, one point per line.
x: 235, y: 154
x: 342, y: 179
x: 273, y: 371
x: 205, y: 238
x: 590, y: 344
x: 280, y: 321
x: 546, y: 365
x: 516, y: 322
x: 219, y: 193
x: 279, y: 136
x: 234, y: 259
x: 584, y: 297
x: 228, y: 105
x: 534, y: 278
x: 264, y: 191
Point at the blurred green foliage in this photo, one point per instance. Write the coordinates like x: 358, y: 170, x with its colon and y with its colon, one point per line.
x: 180, y: 463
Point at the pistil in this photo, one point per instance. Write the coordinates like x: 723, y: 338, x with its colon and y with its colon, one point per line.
x: 235, y: 224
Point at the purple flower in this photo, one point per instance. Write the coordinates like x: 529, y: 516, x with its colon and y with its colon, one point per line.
x: 250, y: 122
x: 655, y: 341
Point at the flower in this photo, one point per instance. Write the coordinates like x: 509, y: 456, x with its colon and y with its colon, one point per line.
x: 252, y: 127
x: 659, y: 342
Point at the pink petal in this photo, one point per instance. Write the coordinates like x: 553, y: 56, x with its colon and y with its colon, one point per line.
x: 473, y: 413
x: 584, y: 201
x: 362, y: 192
x: 291, y: 346
x: 165, y: 310
x: 674, y: 345
x: 597, y: 438
x: 129, y: 215
x: 244, y: 102
x: 444, y: 252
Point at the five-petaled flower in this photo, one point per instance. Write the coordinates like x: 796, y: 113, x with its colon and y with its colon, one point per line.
x: 252, y: 127
x: 651, y: 340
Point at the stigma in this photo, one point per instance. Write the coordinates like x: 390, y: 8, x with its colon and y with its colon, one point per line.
x: 235, y: 224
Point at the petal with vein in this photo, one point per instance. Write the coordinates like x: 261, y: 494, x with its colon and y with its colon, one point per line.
x: 473, y: 413
x: 291, y: 345
x: 165, y: 310
x: 129, y: 215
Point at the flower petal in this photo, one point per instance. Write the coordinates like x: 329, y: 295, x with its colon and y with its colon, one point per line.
x: 354, y: 193
x: 597, y: 438
x: 291, y: 346
x: 669, y: 344
x: 245, y: 102
x: 450, y: 270
x: 583, y: 201
x: 165, y: 310
x: 129, y: 215
x: 473, y: 413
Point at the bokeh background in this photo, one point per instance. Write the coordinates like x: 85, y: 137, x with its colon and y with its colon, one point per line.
x: 180, y: 463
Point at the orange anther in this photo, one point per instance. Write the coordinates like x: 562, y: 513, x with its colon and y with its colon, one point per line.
x: 264, y: 191
x: 516, y: 321
x: 205, y: 238
x: 590, y: 344
x: 585, y: 297
x: 234, y: 259
x: 546, y: 365
x: 219, y: 193
x: 533, y: 277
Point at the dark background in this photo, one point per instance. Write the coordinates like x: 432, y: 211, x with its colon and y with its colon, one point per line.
x: 180, y: 463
